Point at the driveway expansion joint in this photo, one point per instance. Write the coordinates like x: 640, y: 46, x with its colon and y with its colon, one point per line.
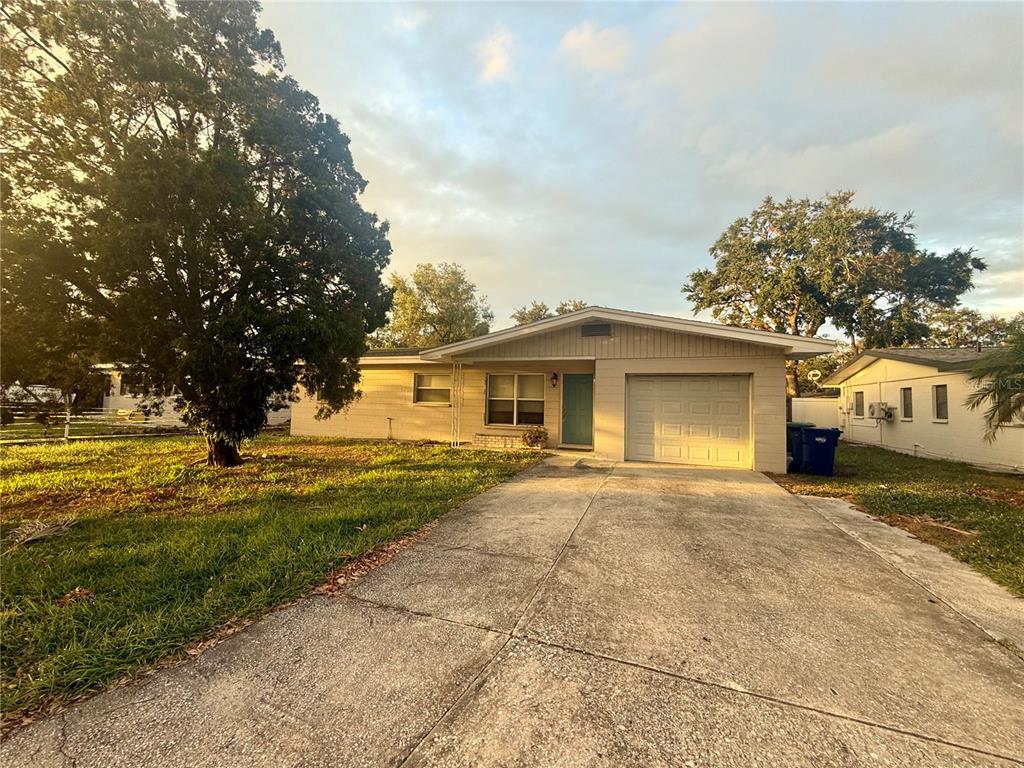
x: 988, y: 636
x: 768, y: 698
x: 508, y: 635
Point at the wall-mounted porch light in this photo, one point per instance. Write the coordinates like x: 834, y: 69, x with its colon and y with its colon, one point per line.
x: 554, y: 379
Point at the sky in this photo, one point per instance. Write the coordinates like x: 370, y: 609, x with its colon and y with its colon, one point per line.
x: 596, y: 151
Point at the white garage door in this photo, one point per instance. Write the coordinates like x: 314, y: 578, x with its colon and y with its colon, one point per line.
x: 702, y: 420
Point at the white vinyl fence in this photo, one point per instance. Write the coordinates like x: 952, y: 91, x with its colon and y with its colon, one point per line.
x: 819, y: 411
x: 33, y: 424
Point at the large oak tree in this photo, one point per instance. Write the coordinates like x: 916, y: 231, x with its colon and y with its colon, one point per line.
x: 792, y: 266
x: 174, y: 203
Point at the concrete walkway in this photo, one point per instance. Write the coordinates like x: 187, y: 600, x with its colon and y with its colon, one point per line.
x: 586, y: 616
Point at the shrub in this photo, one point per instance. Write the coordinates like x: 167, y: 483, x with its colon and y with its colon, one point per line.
x: 535, y: 437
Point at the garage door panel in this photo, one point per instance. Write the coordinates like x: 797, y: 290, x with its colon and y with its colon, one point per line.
x: 728, y: 407
x: 697, y: 453
x: 728, y: 456
x: 700, y: 420
x: 700, y: 407
x: 729, y: 387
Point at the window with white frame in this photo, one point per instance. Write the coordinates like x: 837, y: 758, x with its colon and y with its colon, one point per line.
x: 858, y: 404
x: 432, y: 388
x: 515, y: 398
x: 940, y: 402
x: 907, y: 404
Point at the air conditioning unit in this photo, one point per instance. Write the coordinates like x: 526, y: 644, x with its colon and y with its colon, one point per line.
x: 880, y: 411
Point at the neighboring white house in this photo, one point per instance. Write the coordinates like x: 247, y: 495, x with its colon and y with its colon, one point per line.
x: 118, y: 398
x: 912, y: 401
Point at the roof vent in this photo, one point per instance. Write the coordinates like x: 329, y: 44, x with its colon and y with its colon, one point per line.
x: 596, y: 329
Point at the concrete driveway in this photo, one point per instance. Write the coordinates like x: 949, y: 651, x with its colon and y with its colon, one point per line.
x: 586, y: 616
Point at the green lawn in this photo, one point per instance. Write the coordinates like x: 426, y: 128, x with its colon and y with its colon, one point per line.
x: 166, y: 552
x: 974, y: 515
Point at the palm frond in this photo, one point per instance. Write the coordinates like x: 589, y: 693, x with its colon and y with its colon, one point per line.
x: 1000, y: 377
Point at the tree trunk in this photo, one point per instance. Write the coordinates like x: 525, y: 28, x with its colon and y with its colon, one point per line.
x: 792, y: 382
x: 221, y: 454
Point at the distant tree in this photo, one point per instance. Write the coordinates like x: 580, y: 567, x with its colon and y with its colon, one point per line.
x: 538, y: 310
x: 436, y: 305
x: 1000, y: 379
x: 570, y: 305
x: 174, y: 204
x: 965, y: 327
x: 792, y: 266
x: 824, y: 365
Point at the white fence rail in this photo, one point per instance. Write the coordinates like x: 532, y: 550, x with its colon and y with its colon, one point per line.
x: 819, y: 411
x: 31, y: 425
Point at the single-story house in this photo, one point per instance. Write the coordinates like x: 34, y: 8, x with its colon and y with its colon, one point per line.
x: 623, y: 385
x: 912, y: 401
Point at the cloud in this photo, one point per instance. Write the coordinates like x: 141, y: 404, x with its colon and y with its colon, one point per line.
x: 597, y: 49
x: 731, y: 47
x: 618, y: 184
x: 494, y: 54
x: 411, y: 19
x: 892, y: 154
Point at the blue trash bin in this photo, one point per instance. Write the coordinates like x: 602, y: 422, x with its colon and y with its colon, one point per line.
x: 794, y: 443
x: 818, y: 450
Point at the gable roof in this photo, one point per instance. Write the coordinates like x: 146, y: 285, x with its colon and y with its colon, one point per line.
x: 940, y: 358
x: 795, y: 347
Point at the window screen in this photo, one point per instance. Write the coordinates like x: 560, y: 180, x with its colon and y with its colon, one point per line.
x: 515, y: 398
x: 433, y: 388
x: 906, y: 403
x: 940, y: 396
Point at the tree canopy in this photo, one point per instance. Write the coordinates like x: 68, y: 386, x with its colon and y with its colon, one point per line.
x: 538, y: 310
x: 792, y: 266
x: 175, y: 204
x: 436, y: 305
x: 965, y: 327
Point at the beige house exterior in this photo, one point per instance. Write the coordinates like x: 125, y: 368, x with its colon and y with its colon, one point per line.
x: 623, y: 385
x: 924, y: 391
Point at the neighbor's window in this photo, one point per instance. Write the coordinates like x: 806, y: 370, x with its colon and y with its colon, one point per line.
x: 515, y: 398
x: 907, y: 404
x: 129, y: 385
x: 433, y: 388
x: 858, y: 404
x: 940, y: 399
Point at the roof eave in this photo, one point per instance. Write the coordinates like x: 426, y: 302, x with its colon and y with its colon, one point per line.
x: 794, y: 347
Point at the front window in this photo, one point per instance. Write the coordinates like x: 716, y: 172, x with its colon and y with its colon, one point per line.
x: 515, y: 398
x: 940, y: 398
x: 907, y: 404
x: 858, y: 404
x: 433, y: 388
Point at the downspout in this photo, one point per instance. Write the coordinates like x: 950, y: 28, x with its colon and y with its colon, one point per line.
x: 456, y: 404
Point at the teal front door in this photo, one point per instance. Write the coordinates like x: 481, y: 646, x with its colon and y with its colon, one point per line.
x: 578, y: 409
